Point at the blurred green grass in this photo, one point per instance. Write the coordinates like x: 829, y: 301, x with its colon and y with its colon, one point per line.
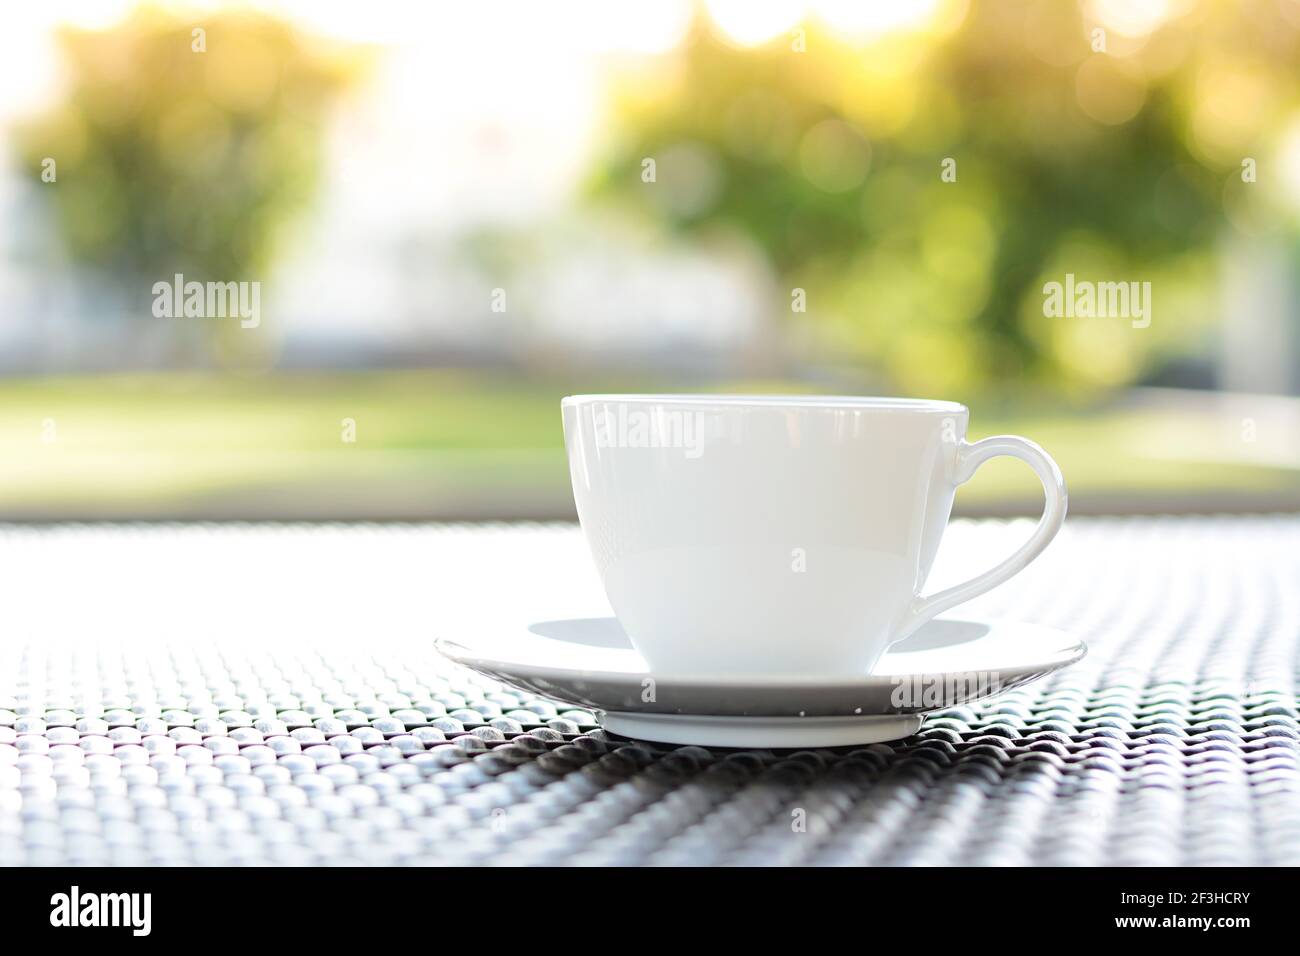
x: 455, y: 443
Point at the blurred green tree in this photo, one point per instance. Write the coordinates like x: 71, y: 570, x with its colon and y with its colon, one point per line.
x: 923, y: 187
x: 186, y: 146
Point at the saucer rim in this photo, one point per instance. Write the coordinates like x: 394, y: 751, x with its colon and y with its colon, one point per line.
x: 1064, y: 652
x: 609, y: 691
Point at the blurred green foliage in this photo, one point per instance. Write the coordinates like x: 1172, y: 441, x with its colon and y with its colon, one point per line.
x: 458, y: 443
x: 830, y: 159
x: 185, y: 152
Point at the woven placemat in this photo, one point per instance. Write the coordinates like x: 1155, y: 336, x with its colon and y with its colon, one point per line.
x: 261, y: 694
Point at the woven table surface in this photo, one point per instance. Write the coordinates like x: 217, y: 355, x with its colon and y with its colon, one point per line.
x: 263, y: 694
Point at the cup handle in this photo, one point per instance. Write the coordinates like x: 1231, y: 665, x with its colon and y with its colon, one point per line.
x: 969, y: 457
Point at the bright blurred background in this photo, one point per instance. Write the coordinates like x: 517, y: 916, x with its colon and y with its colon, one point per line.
x: 459, y: 213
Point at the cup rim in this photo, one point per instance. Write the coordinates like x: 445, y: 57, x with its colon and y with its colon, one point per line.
x: 856, y: 402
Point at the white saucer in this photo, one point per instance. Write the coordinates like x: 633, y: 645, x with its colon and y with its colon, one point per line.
x: 590, y: 662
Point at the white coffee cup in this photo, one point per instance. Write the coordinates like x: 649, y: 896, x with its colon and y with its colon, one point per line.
x: 783, y: 537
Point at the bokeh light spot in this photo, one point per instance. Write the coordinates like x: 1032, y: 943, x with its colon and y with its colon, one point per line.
x: 1109, y: 92
x: 834, y: 156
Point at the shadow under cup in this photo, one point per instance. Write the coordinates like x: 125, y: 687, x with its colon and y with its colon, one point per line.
x: 762, y: 536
